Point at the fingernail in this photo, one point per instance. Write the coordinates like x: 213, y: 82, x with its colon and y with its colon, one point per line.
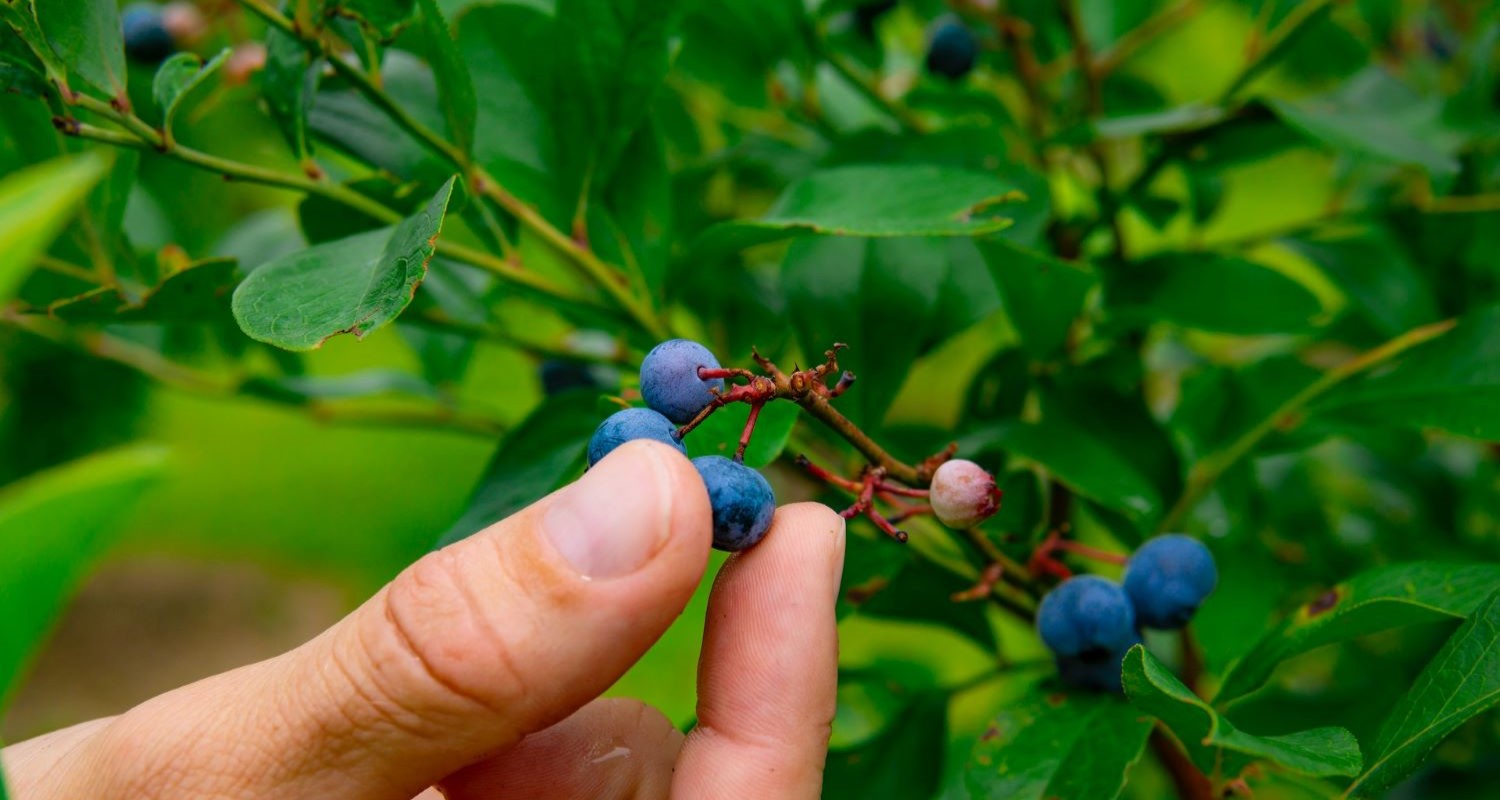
x: 613, y: 519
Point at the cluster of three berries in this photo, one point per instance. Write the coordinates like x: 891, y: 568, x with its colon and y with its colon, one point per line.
x: 1089, y: 622
x: 674, y: 392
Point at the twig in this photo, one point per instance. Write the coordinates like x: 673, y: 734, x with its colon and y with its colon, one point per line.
x: 1207, y: 472
x: 608, y: 278
x: 1190, y: 782
x: 866, y: 86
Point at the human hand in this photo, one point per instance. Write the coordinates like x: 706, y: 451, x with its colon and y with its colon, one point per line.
x: 478, y: 670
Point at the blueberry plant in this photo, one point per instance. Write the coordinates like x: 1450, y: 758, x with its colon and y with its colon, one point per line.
x: 1171, y: 459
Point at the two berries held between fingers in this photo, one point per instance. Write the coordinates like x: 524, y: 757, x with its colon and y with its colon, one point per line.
x: 962, y: 493
x: 1089, y: 622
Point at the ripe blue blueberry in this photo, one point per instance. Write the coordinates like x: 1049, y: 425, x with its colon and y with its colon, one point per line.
x: 670, y: 382
x: 1088, y: 624
x: 631, y: 423
x: 1085, y: 616
x: 952, y: 50
x: 742, y: 502
x: 147, y: 38
x: 1168, y: 578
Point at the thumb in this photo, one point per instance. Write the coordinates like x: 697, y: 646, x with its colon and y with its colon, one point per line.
x: 469, y: 649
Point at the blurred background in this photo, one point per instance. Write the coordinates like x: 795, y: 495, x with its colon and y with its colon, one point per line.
x: 275, y: 516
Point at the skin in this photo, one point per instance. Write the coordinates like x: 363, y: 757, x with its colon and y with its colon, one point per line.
x: 477, y: 672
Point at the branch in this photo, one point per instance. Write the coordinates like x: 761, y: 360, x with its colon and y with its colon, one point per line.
x: 168, y: 373
x: 1190, y: 782
x: 150, y: 140
x: 893, y: 107
x: 607, y: 277
x: 1260, y: 55
x: 1207, y: 471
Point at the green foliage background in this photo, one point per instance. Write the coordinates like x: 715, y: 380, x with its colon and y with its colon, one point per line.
x: 1239, y: 278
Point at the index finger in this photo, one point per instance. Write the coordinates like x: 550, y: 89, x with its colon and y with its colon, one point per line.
x: 769, y: 671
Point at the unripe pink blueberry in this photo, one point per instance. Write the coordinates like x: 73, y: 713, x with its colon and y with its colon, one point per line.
x: 963, y: 494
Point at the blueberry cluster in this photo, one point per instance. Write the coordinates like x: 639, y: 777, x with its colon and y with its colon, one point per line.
x: 675, y: 393
x: 1089, y: 622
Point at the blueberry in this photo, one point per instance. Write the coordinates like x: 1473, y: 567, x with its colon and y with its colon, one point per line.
x: 742, y: 502
x: 146, y: 36
x: 670, y: 382
x: 1168, y: 578
x: 1087, y: 618
x: 963, y: 494
x: 952, y: 50
x: 1097, y: 669
x: 632, y: 423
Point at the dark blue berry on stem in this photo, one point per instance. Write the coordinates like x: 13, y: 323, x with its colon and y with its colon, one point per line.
x: 627, y: 425
x: 1168, y: 578
x: 952, y: 51
x: 147, y: 38
x: 1088, y: 623
x: 742, y: 501
x: 670, y: 382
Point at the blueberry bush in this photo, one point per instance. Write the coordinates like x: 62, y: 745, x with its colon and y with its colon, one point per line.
x: 1152, y: 347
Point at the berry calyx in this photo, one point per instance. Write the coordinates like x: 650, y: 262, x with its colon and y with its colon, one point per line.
x: 963, y: 494
x: 1167, y: 579
x: 627, y: 425
x: 742, y: 502
x: 670, y: 382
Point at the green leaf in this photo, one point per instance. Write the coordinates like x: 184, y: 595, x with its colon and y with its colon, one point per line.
x: 177, y: 77
x: 904, y: 762
x: 1374, y: 116
x: 86, y: 36
x: 543, y: 452
x: 1042, y: 295
x: 288, y: 83
x: 353, y: 285
x: 510, y: 52
x: 1371, y: 268
x: 1086, y: 465
x: 35, y: 203
x: 455, y: 86
x: 720, y: 433
x: 1451, y: 383
x: 873, y: 201
x: 1461, y: 682
x: 614, y: 55
x: 1056, y: 745
x: 1152, y: 688
x: 1212, y: 293
x: 199, y: 292
x: 1381, y: 599
x: 21, y: 18
x: 53, y: 527
x: 887, y: 581
x: 882, y: 297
